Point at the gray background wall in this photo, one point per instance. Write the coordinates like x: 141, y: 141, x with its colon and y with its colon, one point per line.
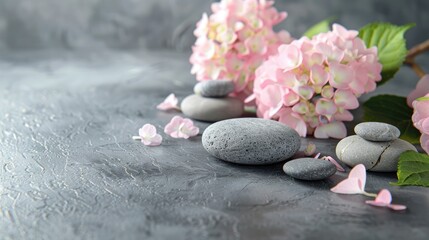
x: 154, y: 24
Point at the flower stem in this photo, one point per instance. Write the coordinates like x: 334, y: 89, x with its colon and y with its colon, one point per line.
x: 412, y: 53
x: 369, y: 194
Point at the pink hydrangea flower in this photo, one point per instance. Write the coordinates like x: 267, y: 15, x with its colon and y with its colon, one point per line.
x: 169, y: 103
x: 311, y: 84
x: 422, y: 89
x: 421, y: 119
x: 235, y: 40
x: 180, y: 127
x: 148, y: 135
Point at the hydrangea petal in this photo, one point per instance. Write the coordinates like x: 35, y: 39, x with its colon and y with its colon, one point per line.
x: 384, y: 199
x: 348, y: 186
x: 148, y: 130
x: 397, y: 207
x: 334, y: 130
x: 180, y: 127
x: 343, y: 115
x: 331, y: 53
x: 305, y: 92
x: 341, y: 76
x: 424, y: 141
x: 327, y: 92
x: 326, y: 107
x: 271, y: 96
x: 346, y: 99
x: 343, y: 32
x: 292, y: 120
x: 291, y: 57
x: 310, y: 149
x: 290, y: 98
x: 359, y: 171
x: 169, y: 103
x: 333, y: 161
x: 355, y: 182
x: 148, y: 135
x: 155, y: 141
x: 318, y: 75
x: 421, y: 89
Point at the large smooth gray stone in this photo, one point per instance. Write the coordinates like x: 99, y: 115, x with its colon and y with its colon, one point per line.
x: 211, y: 109
x: 309, y: 169
x: 252, y: 141
x: 214, y: 88
x: 376, y: 156
x: 377, y: 131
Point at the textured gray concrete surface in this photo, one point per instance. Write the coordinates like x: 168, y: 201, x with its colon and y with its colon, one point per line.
x: 69, y: 169
x: 69, y: 104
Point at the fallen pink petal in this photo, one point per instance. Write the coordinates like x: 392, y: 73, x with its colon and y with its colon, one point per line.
x: 169, y: 103
x: 384, y: 199
x: 354, y: 184
x: 333, y: 161
x: 180, y: 127
x: 310, y: 149
x: 149, y: 136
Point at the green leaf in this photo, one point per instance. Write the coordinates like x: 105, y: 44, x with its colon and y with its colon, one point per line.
x: 320, y: 27
x: 413, y: 169
x: 393, y: 110
x: 390, y: 41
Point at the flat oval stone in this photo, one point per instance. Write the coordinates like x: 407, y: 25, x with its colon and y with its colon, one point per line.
x: 252, y: 141
x: 214, y: 88
x: 376, y: 156
x: 211, y: 109
x: 377, y: 131
x: 309, y: 169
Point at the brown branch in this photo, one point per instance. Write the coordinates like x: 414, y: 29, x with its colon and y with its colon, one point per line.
x: 416, y: 68
x: 418, y: 49
x: 412, y: 53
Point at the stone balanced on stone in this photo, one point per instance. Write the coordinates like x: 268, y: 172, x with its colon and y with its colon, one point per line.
x: 376, y: 146
x: 211, y: 102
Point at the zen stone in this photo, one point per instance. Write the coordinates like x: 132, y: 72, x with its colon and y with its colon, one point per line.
x: 252, y: 141
x: 309, y: 169
x: 377, y: 131
x: 214, y: 88
x: 376, y: 156
x: 211, y: 109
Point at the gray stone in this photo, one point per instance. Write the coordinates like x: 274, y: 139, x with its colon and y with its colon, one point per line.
x: 211, y: 109
x: 253, y: 141
x: 309, y: 169
x: 376, y: 156
x: 214, y: 88
x: 377, y: 131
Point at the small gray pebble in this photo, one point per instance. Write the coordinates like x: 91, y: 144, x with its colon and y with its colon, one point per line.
x: 214, y: 88
x: 211, y: 109
x: 376, y: 156
x: 253, y: 141
x: 309, y: 169
x: 377, y: 131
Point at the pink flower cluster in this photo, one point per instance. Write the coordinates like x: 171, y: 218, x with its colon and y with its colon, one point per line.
x: 311, y: 84
x: 421, y: 119
x: 235, y: 40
